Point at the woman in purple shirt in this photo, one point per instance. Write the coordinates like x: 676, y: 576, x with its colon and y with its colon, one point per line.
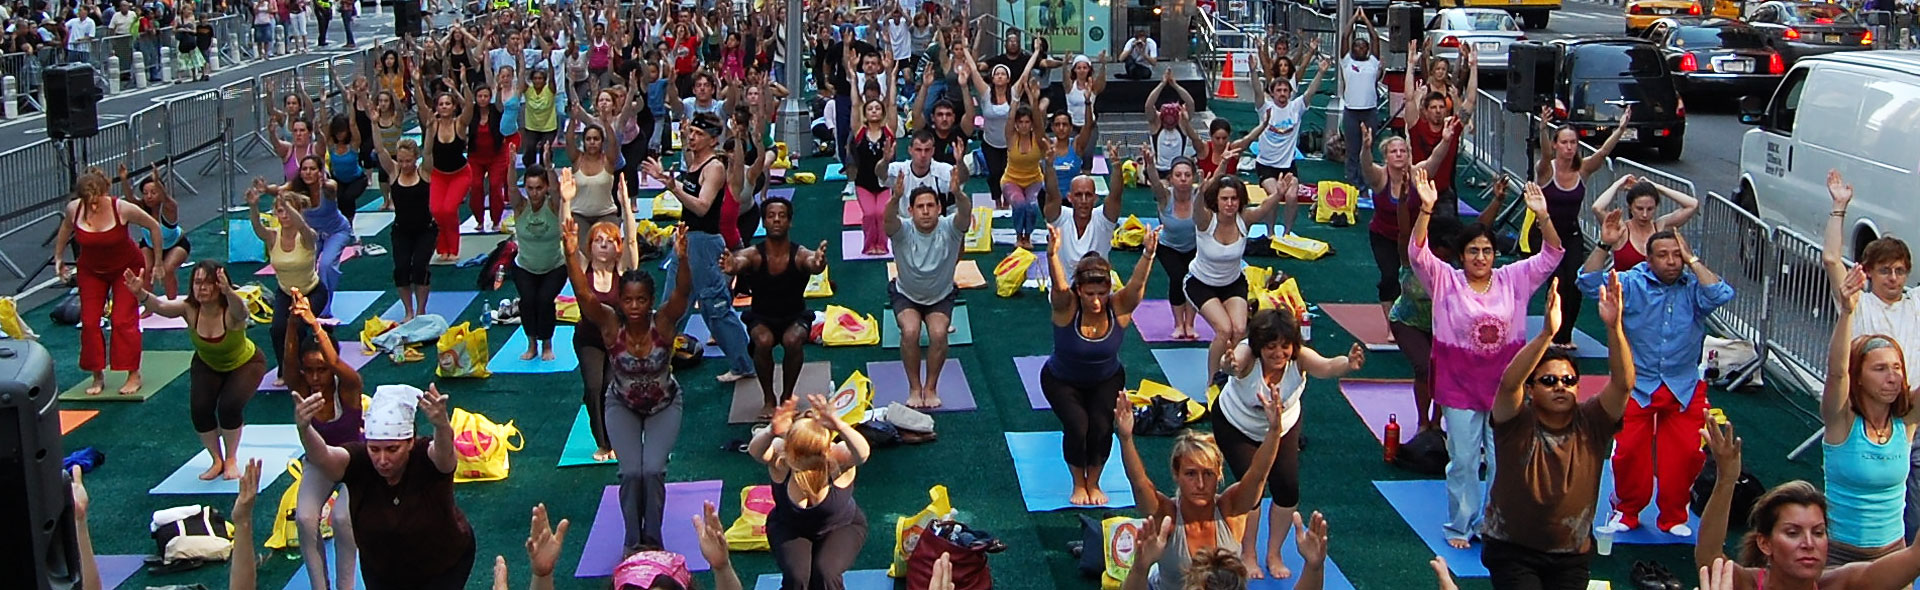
x: 321, y: 371
x: 1479, y: 323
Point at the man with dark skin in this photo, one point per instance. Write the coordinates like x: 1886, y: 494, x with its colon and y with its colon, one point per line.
x: 779, y: 270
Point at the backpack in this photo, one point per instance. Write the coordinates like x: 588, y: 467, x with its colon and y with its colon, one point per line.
x: 493, y: 270
x: 1425, y: 453
x: 188, y: 537
x: 1746, y: 493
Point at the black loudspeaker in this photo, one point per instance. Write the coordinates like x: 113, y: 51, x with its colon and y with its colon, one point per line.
x: 1405, y: 24
x: 72, y: 101
x: 1531, y: 70
x: 36, y: 515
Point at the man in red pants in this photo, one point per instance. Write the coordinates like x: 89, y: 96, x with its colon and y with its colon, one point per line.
x: 1667, y: 300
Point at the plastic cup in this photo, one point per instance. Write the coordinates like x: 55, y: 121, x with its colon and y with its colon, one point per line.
x: 1603, y: 542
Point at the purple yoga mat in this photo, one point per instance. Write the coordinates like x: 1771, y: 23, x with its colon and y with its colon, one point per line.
x: 851, y: 243
x: 890, y: 385
x: 116, y: 569
x: 1154, y: 317
x: 1029, y: 368
x: 351, y: 352
x: 1374, y: 400
x: 684, y: 499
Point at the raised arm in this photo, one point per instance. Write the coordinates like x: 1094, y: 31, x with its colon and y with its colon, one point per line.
x: 1513, y: 382
x: 440, y: 449
x: 1060, y: 284
x: 1834, y: 403
x: 1599, y: 158
x: 1711, y: 544
x: 1320, y: 366
x: 1833, y: 246
x: 667, y: 320
x: 591, y: 309
x: 1605, y: 201
x: 1147, y: 499
x: 1135, y: 291
x: 1619, y: 353
x: 1685, y: 206
x: 963, y: 202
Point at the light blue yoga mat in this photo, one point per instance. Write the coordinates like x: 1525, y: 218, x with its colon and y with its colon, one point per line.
x: 272, y: 444
x: 1647, y: 534
x: 1422, y: 503
x: 697, y: 330
x: 242, y: 245
x: 1332, y: 579
x: 580, y: 446
x: 116, y: 569
x: 960, y: 320
x: 1186, y: 370
x: 348, y: 305
x: 371, y: 223
x: 299, y: 579
x: 1042, y: 472
x: 446, y: 304
x: 853, y: 580
x: 374, y: 201
x: 835, y: 173
x: 507, y: 358
x: 1588, y: 347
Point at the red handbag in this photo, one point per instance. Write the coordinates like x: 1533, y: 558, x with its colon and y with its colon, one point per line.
x: 970, y: 571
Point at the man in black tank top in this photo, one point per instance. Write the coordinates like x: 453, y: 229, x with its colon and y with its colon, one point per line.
x: 779, y: 271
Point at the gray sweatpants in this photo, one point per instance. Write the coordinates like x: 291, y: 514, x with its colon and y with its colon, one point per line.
x: 643, y: 444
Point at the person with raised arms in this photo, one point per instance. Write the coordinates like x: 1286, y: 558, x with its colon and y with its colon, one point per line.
x: 926, y: 248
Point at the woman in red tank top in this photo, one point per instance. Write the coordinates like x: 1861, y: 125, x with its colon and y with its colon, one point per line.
x: 1220, y: 141
x: 105, y: 255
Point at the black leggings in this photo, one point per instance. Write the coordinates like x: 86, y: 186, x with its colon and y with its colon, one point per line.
x: 816, y: 561
x: 348, y: 198
x: 319, y: 297
x: 533, y: 145
x: 996, y: 167
x: 593, y: 377
x: 1569, y: 272
x: 412, y: 255
x: 455, y: 578
x: 539, y: 292
x: 1386, y: 255
x: 632, y: 154
x: 1085, y: 410
x: 218, y: 401
x: 1513, y: 567
x: 1175, y: 263
x: 1283, y: 480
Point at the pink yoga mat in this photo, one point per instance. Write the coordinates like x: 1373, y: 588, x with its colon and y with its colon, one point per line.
x: 1154, y: 317
x: 1100, y: 165
x: 156, y: 322
x: 849, y: 213
x: 346, y: 254
x: 1030, y: 368
x: 851, y: 244
x: 1365, y: 321
x: 890, y: 385
x: 351, y: 352
x: 1374, y: 400
x: 684, y: 499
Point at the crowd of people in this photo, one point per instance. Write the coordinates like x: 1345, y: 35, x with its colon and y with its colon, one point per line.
x: 561, y: 118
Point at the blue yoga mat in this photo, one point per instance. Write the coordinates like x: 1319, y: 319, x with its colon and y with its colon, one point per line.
x: 507, y: 358
x: 835, y: 173
x: 348, y: 305
x: 446, y: 304
x: 116, y: 569
x: 1646, y: 534
x: 697, y: 330
x: 580, y: 446
x: 1422, y: 503
x: 1589, y: 348
x: 854, y: 580
x: 272, y: 444
x: 372, y: 204
x: 1332, y: 579
x: 299, y: 579
x: 1186, y: 370
x: 1043, y: 473
x: 242, y: 245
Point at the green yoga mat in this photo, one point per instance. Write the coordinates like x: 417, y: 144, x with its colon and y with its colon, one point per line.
x: 158, y: 367
x: 962, y: 330
x: 580, y: 446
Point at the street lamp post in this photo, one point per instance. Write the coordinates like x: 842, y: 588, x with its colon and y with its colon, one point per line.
x: 794, y: 115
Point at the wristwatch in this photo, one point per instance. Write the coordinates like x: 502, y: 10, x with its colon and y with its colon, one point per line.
x: 1693, y: 261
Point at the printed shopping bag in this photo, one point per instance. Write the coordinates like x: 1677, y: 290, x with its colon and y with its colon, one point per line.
x: 1011, y: 272
x: 906, y: 529
x: 1120, y: 535
x: 1131, y: 235
x: 846, y: 327
x: 286, y: 528
x: 749, y: 532
x: 481, y: 445
x: 980, y: 234
x: 852, y: 400
x: 464, y: 352
x: 820, y: 285
x: 1337, y: 203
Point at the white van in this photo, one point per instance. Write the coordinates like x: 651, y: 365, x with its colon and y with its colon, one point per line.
x: 1856, y: 112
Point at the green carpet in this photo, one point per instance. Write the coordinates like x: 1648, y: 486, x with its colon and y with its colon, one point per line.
x: 146, y: 441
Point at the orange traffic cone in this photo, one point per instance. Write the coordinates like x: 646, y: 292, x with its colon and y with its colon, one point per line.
x: 1226, y: 89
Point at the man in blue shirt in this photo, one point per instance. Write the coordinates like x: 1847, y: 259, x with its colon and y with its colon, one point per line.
x: 1666, y: 301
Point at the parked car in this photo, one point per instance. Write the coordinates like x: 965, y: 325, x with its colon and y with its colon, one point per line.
x: 1853, y: 112
x: 1533, y: 14
x: 1642, y: 13
x: 1487, y: 30
x: 1717, y: 57
x: 1801, y: 29
x: 1599, y: 78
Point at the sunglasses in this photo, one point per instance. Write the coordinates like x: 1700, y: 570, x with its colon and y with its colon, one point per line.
x: 1553, y: 380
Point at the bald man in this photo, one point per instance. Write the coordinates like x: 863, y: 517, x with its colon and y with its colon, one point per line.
x: 1082, y: 231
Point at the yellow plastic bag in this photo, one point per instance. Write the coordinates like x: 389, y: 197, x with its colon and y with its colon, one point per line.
x: 1257, y: 278
x: 667, y: 205
x: 567, y: 309
x: 980, y: 234
x: 1011, y: 272
x: 1150, y: 390
x: 1286, y: 296
x: 259, y: 306
x: 804, y: 177
x: 1130, y: 173
x: 820, y: 285
x: 286, y: 529
x: 852, y: 400
x: 1301, y: 247
x: 1131, y: 235
x: 11, y: 323
x: 481, y: 445
x: 1336, y: 199
x: 464, y: 353
x: 846, y: 327
x: 906, y: 530
x: 373, y: 328
x: 1119, y: 536
x: 749, y: 532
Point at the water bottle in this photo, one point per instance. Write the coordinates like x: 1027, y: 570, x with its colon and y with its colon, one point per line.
x: 486, y: 315
x: 1392, y: 436
x: 1713, y: 366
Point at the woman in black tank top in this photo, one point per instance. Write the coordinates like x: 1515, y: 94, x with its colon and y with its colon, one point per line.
x: 444, y: 122
x: 414, y: 229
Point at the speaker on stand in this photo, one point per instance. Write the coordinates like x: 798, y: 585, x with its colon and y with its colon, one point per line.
x: 1406, y: 23
x: 36, y: 507
x: 1531, y: 70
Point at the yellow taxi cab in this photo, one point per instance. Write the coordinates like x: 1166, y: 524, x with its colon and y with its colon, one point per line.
x: 1642, y: 13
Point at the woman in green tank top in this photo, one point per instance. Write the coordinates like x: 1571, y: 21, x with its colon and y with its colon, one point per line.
x: 226, y: 367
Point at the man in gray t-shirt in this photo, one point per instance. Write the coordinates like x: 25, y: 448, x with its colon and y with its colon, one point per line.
x: 926, y: 249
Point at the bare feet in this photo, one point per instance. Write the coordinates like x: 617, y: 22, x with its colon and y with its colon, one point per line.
x: 603, y: 455
x: 1278, y: 567
x: 766, y: 412
x: 1079, y: 496
x: 409, y: 317
x: 546, y: 355
x: 218, y: 469
x: 1458, y: 543
x: 1253, y: 570
x: 916, y: 399
x: 930, y: 398
x: 530, y: 353
x: 99, y: 384
x: 233, y: 471
x: 1095, y: 496
x: 133, y: 383
x: 278, y: 382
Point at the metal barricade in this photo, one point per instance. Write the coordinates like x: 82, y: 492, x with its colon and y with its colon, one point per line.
x: 1735, y: 245
x: 1484, y: 143
x: 150, y: 137
x: 1800, y: 311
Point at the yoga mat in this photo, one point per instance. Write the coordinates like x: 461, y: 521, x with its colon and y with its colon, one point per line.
x: 966, y: 275
x: 1005, y: 236
x: 784, y: 193
x: 835, y: 173
x: 348, y: 253
x: 371, y: 205
x: 367, y: 225
x: 852, y: 580
x: 684, y: 499
x: 815, y: 377
x: 580, y: 445
x: 347, y: 306
x: 1375, y: 400
x: 507, y: 358
x: 474, y: 245
x: 643, y: 208
x: 351, y: 352
x: 1332, y: 578
x: 1186, y: 370
x: 1588, y: 347
x: 853, y: 244
x: 1154, y: 318
x: 242, y: 244
x: 961, y: 335
x: 299, y: 579
x: 1422, y: 503
x: 116, y: 569
x: 71, y: 419
x: 446, y: 304
x: 157, y: 367
x: 158, y: 322
x: 1043, y: 473
x: 650, y: 183
x: 272, y: 444
x: 697, y: 330
x: 1365, y: 321
x: 890, y: 385
x: 1100, y: 165
x: 1030, y: 368
x: 1646, y: 534
x: 471, y: 226
x: 849, y: 213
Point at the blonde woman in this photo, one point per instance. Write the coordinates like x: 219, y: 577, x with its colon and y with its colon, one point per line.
x: 1205, y: 518
x: 815, y: 527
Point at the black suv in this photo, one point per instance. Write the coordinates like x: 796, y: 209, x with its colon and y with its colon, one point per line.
x: 1599, y: 78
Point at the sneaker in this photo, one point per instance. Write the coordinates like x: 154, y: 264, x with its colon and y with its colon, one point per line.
x: 1614, y: 524
x: 730, y: 377
x: 1680, y: 530
x: 372, y: 250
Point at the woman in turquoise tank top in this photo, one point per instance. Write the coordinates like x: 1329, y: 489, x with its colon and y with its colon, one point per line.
x: 226, y: 367
x: 1870, y: 421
